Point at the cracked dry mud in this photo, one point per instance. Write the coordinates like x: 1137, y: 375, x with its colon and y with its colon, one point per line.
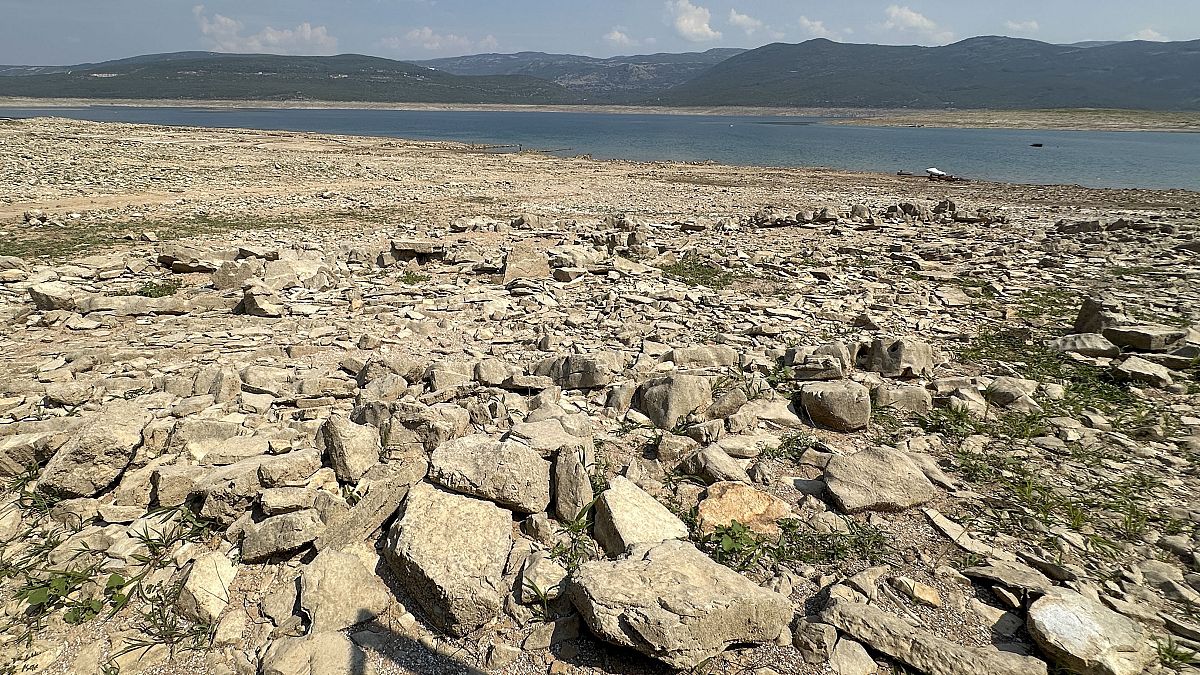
x: 288, y: 403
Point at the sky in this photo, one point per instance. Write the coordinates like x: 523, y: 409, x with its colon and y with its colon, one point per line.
x: 63, y: 32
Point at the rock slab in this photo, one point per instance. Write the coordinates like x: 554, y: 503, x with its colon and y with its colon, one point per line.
x: 673, y: 603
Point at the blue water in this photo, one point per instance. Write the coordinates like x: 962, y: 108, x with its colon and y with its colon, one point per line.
x: 1090, y: 158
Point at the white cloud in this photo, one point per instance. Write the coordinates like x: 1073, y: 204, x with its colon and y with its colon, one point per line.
x: 745, y: 22
x: 904, y: 20
x: 815, y: 29
x: 619, y: 38
x: 1030, y: 26
x: 224, y: 34
x: 692, y: 22
x: 1150, y: 35
x: 430, y: 40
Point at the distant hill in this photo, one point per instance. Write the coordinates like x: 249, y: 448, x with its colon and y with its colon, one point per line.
x: 210, y: 76
x: 617, y: 79
x: 984, y: 72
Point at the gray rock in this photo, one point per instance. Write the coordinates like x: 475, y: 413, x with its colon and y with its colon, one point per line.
x: 923, y: 650
x: 902, y: 398
x: 1012, y: 575
x: 714, y: 465
x: 1088, y: 637
x: 280, y: 534
x: 1086, y: 344
x: 627, y: 515
x: 1137, y: 369
x: 205, y: 590
x: 56, y: 295
x: 572, y: 486
x: 97, y: 453
x: 711, y: 356
x: 841, y: 406
x: 337, y: 591
x: 673, y: 603
x: 668, y: 400
x: 814, y: 640
x: 850, y: 658
x: 510, y: 474
x: 541, y: 575
x: 352, y: 448
x: 1098, y: 313
x: 583, y: 371
x: 449, y: 553
x: 1145, y: 338
x: 878, y: 479
x: 906, y: 357
x: 317, y: 654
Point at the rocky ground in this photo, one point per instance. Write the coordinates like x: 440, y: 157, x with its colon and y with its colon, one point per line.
x: 286, y: 403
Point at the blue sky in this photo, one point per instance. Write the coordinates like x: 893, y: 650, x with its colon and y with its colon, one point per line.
x: 54, y: 32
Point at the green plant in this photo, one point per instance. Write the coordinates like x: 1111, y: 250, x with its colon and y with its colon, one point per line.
x: 736, y: 546
x: 155, y: 289
x: 541, y: 611
x: 1174, y: 656
x: 411, y: 278
x: 791, y: 446
x: 693, y: 272
x: 860, y: 542
x: 579, y: 546
x: 158, y: 623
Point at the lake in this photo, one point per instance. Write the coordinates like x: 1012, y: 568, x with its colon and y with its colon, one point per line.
x: 1090, y: 158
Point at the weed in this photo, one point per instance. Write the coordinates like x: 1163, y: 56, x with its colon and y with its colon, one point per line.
x: 1174, y: 656
x: 791, y: 446
x: 154, y: 289
x: 579, y: 547
x: 541, y: 611
x: 411, y: 278
x: 694, y: 272
x: 739, y: 547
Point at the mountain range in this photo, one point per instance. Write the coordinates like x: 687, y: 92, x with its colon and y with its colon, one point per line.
x: 983, y: 72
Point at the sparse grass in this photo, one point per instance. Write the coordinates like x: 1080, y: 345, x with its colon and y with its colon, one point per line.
x: 1174, y: 656
x: 411, y: 278
x: 579, y: 547
x: 694, y: 273
x: 791, y: 446
x: 155, y: 289
x: 740, y: 548
x: 1042, y: 303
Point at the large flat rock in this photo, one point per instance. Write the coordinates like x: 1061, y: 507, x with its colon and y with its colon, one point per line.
x: 449, y: 551
x: 97, y: 453
x: 673, y: 603
x: 510, y: 474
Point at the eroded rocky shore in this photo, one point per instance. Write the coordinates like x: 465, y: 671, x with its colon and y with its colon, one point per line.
x: 288, y: 403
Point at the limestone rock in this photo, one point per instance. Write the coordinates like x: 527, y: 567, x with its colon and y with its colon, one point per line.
x: 205, y: 591
x: 714, y: 465
x: 352, y: 448
x: 97, y: 453
x: 1137, y: 369
x: 337, y: 591
x: 925, y: 651
x: 318, y: 654
x: 53, y: 295
x: 626, y: 515
x: 280, y: 534
x: 673, y: 603
x: 572, y: 486
x: 1086, y: 636
x: 510, y: 474
x: 1145, y: 338
x: 841, y: 406
x: 878, y: 479
x: 1086, y: 344
x: 449, y: 552
x: 725, y: 503
x: 907, y: 357
x: 667, y: 400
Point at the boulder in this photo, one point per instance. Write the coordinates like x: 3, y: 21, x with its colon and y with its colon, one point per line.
x: 572, y: 486
x: 878, y: 479
x: 1145, y: 338
x: 280, y: 534
x: 449, y: 552
x: 725, y: 503
x: 97, y: 453
x: 841, y: 406
x: 205, y: 590
x: 906, y: 357
x: 317, y: 654
x: 510, y: 474
x: 1137, y: 369
x: 1088, y: 637
x: 337, y: 591
x: 714, y: 465
x: 53, y: 295
x: 627, y: 515
x: 583, y: 371
x: 526, y: 261
x: 1086, y: 344
x: 902, y: 398
x: 925, y: 651
x: 712, y: 356
x: 1098, y: 313
x: 668, y: 400
x: 352, y: 448
x: 671, y: 602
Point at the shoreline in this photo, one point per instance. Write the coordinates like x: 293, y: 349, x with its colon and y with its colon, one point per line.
x: 1082, y: 119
